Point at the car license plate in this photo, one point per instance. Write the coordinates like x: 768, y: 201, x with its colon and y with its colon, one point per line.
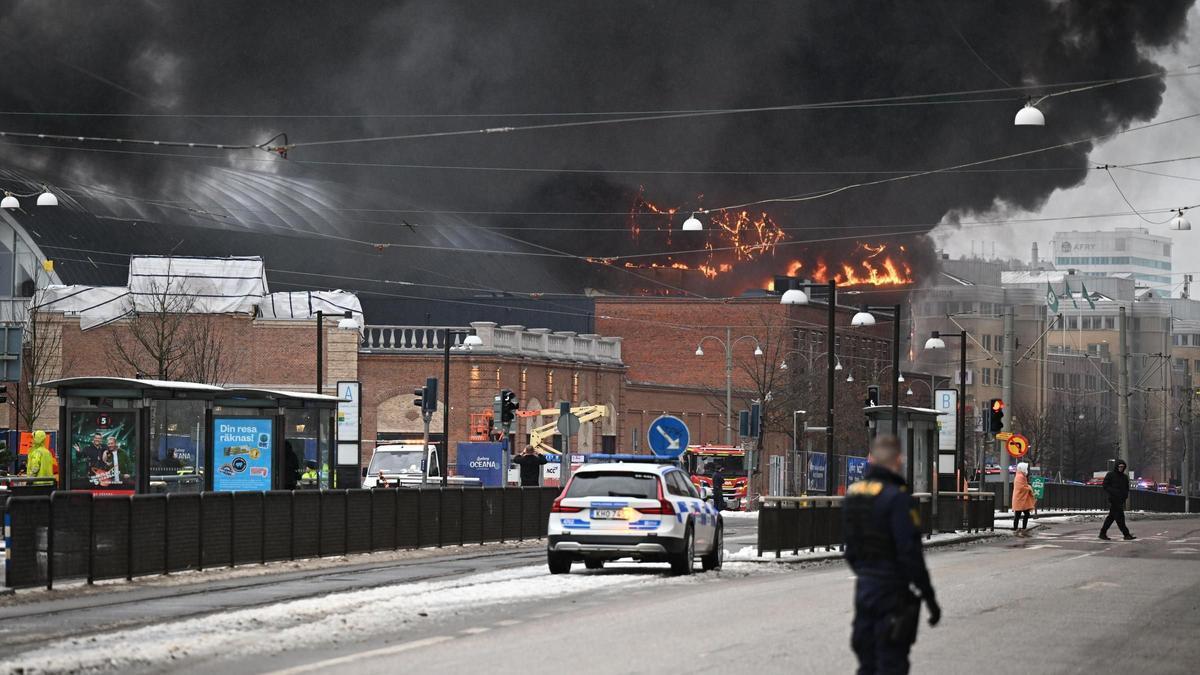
x: 608, y: 514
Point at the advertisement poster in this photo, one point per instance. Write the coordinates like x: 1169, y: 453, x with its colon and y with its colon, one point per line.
x: 348, y: 411
x: 816, y: 472
x: 104, y: 451
x: 856, y: 468
x: 484, y: 461
x: 242, y: 453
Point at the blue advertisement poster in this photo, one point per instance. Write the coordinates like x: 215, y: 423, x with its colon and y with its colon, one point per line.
x: 816, y: 472
x: 484, y: 461
x: 856, y: 468
x: 242, y: 453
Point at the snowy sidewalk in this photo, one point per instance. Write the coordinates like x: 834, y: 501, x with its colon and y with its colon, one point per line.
x: 750, y: 553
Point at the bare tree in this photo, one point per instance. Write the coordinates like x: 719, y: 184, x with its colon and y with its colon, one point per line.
x: 42, y: 359
x: 207, y: 357
x: 169, y: 339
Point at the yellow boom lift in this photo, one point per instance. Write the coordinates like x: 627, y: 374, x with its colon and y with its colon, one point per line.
x: 540, y: 434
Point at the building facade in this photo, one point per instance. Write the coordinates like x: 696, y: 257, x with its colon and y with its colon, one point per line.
x: 1131, y: 251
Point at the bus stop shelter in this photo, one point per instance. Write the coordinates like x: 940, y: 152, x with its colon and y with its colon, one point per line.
x: 131, y: 435
x: 918, y: 439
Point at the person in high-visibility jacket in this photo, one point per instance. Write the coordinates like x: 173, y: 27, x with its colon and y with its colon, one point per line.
x: 40, y: 461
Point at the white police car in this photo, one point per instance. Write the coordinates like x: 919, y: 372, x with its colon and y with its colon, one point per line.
x: 648, y: 512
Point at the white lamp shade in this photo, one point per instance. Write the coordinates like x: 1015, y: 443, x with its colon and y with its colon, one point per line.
x: 693, y: 224
x: 783, y: 365
x: 1029, y: 116
x: 838, y: 365
x: 472, y: 341
x: 935, y: 343
x: 1180, y: 223
x: 850, y: 377
x: 901, y: 378
x: 10, y: 202
x: 758, y: 351
x: 793, y: 296
x: 699, y: 351
x: 47, y: 198
x: 909, y: 392
x: 863, y: 319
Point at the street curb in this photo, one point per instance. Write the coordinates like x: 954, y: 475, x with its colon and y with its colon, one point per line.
x: 837, y: 555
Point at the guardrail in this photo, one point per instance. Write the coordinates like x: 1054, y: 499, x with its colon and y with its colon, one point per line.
x: 77, y: 535
x: 794, y: 523
x: 1065, y: 497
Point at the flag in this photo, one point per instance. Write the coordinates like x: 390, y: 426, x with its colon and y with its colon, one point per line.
x: 1087, y: 296
x: 1067, y: 292
x: 1051, y: 299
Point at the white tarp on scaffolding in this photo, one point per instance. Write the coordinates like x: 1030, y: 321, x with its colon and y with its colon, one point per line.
x: 197, y: 285
x: 306, y: 304
x: 94, y: 305
x: 160, y: 284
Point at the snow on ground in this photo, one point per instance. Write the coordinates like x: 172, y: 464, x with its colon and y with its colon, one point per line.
x: 274, y: 628
x: 739, y: 515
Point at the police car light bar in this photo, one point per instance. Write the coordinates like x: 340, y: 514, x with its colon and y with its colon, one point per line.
x: 640, y: 459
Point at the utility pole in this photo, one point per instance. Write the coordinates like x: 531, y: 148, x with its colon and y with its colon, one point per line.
x: 1186, y: 423
x: 1123, y: 388
x: 1006, y: 392
x: 1166, y: 369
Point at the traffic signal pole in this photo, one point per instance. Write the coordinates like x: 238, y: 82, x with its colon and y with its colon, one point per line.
x: 1007, y: 394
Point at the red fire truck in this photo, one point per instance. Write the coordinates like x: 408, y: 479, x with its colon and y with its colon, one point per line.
x: 699, y: 461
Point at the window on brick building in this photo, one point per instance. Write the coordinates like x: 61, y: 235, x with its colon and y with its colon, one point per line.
x: 608, y: 445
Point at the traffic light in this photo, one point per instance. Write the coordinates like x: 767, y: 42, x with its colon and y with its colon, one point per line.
x: 872, y: 395
x: 508, y: 407
x: 426, y: 397
x: 996, y: 416
x: 3, y: 393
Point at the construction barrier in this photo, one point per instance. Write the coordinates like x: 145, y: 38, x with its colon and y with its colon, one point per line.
x: 78, y: 535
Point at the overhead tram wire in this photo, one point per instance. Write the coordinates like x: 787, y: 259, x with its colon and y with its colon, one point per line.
x: 286, y: 146
x: 1074, y: 86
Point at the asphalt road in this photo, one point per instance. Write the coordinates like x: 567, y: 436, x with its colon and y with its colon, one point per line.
x: 1060, y: 602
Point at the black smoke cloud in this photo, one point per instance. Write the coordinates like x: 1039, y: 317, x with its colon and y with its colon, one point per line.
x: 292, y: 58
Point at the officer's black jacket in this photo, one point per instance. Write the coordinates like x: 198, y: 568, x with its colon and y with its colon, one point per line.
x: 883, y: 533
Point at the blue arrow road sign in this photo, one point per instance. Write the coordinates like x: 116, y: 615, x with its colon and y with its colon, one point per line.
x: 668, y: 436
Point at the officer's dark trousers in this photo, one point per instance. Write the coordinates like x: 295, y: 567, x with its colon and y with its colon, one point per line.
x: 873, y: 601
x: 1116, y: 514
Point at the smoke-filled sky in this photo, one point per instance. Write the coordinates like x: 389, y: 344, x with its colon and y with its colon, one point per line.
x: 272, y: 65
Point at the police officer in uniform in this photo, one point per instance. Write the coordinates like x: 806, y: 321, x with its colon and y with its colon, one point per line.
x: 883, y: 546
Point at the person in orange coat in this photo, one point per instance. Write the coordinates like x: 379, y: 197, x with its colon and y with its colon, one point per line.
x: 1023, y: 500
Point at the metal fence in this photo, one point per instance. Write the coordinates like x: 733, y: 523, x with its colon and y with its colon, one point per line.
x: 77, y: 535
x: 795, y: 523
x: 1065, y: 497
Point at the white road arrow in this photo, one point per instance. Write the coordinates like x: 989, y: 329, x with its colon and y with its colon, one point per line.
x: 672, y: 443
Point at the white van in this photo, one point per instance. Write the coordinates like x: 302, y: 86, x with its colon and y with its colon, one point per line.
x: 406, y: 465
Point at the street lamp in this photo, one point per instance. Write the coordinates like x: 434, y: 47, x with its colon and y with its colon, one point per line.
x: 1179, y: 222
x: 865, y: 318
x: 796, y: 296
x: 937, y: 341
x: 1030, y: 116
x: 728, y: 343
x: 44, y: 198
x: 693, y: 224
x: 469, y: 341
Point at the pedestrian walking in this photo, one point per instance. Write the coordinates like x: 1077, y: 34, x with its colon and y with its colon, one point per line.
x: 531, y: 466
x: 1116, y: 486
x: 1023, y: 500
x: 883, y: 546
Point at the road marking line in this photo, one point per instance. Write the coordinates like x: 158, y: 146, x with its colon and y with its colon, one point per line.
x: 351, y: 658
x: 1085, y: 555
x: 1037, y: 546
x: 474, y: 631
x: 508, y: 622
